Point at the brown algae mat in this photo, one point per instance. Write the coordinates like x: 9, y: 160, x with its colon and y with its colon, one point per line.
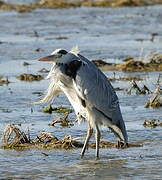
x: 4, y: 81
x: 152, y: 123
x: 29, y: 77
x: 132, y: 65
x: 155, y: 101
x: 49, y: 109
x: 14, y: 138
x: 72, y: 4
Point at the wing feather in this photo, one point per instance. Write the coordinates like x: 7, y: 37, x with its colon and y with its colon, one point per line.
x: 92, y: 86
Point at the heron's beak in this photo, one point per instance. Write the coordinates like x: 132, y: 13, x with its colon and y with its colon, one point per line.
x: 50, y: 58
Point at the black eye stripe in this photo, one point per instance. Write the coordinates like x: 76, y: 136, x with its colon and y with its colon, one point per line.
x: 62, y: 51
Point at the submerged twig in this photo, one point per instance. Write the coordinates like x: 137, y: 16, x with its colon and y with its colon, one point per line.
x: 64, y: 122
x: 155, y: 100
x: 13, y: 135
x: 138, y: 90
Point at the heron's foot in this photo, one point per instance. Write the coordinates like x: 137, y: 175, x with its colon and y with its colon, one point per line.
x: 121, y: 145
x: 82, y: 155
x: 97, y: 158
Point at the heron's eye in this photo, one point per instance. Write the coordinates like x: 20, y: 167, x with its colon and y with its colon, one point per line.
x: 63, y: 52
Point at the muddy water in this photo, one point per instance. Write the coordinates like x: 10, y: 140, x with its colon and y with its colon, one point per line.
x: 110, y: 34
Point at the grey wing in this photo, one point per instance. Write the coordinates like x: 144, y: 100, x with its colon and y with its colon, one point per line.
x: 93, y: 86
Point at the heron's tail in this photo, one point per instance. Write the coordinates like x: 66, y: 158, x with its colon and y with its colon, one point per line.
x: 114, y: 121
x: 118, y: 126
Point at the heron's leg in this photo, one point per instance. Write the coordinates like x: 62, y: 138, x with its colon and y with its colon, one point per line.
x: 98, y: 135
x: 89, y: 134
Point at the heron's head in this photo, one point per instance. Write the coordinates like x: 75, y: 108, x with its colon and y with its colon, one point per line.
x: 56, y: 56
x: 62, y: 56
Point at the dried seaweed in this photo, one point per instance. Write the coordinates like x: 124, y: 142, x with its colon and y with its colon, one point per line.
x: 131, y: 78
x: 14, y: 138
x: 26, y: 63
x: 29, y: 77
x: 22, y: 8
x: 155, y: 101
x: 134, y: 87
x: 43, y: 70
x: 152, y: 123
x: 153, y: 63
x: 63, y: 121
x: 60, y: 109
x: 133, y: 65
x: 4, y: 80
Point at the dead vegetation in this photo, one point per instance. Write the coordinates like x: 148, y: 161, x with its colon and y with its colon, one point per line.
x: 13, y: 135
x: 63, y: 121
x: 14, y: 138
x: 130, y: 78
x: 138, y: 66
x: 29, y: 77
x: 60, y: 109
x: 43, y: 70
x: 136, y: 89
x: 104, y: 66
x: 154, y: 63
x: 152, y: 123
x: 22, y: 8
x: 4, y: 81
x: 155, y: 100
x: 26, y: 63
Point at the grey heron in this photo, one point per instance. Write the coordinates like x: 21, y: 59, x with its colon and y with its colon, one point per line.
x: 89, y: 92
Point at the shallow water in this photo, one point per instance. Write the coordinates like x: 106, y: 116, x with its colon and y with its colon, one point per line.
x: 110, y: 34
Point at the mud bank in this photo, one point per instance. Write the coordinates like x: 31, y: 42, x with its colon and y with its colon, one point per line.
x: 133, y: 65
x: 72, y: 4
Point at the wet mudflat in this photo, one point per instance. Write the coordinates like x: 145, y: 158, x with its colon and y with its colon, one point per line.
x: 101, y: 33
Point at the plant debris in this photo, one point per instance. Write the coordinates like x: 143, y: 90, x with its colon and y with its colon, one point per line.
x: 131, y: 78
x: 154, y: 63
x: 60, y: 109
x: 128, y: 58
x: 152, y: 123
x: 61, y: 38
x: 133, y: 65
x: 23, y: 8
x: 14, y: 138
x: 43, y: 70
x: 104, y: 65
x: 45, y: 137
x: 13, y: 135
x: 119, y: 89
x: 4, y: 81
x: 64, y: 122
x: 135, y: 88
x: 26, y: 64
x: 5, y: 110
x: 38, y: 93
x: 155, y: 101
x: 29, y: 77
x: 156, y: 59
